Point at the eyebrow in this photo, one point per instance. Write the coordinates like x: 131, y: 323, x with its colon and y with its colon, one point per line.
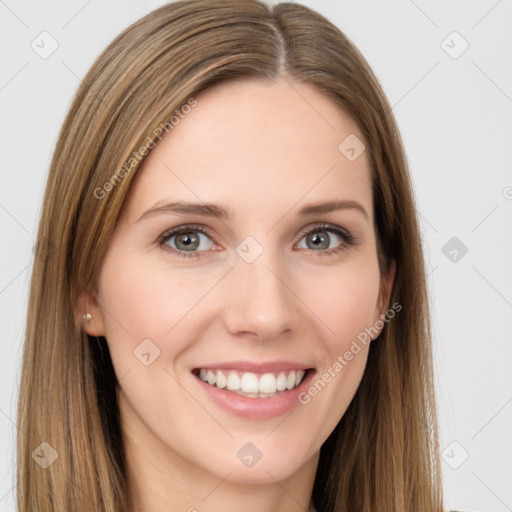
x: 220, y: 212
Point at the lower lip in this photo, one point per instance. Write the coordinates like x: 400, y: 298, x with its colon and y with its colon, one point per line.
x: 256, y: 408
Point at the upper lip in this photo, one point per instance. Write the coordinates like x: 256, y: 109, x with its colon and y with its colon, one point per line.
x: 251, y: 366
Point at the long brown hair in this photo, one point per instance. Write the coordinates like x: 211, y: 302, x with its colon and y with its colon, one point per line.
x: 383, y: 454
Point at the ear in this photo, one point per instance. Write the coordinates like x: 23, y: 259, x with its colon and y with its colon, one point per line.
x: 88, y: 304
x: 384, y: 294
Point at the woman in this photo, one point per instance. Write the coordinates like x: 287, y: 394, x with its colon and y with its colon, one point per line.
x: 230, y: 311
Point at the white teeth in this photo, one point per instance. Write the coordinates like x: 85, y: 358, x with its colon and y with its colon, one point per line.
x: 281, y: 382
x: 256, y: 395
x: 211, y: 377
x: 233, y: 382
x: 249, y: 383
x: 290, y: 381
x: 267, y: 383
x: 253, y: 385
x: 221, y: 380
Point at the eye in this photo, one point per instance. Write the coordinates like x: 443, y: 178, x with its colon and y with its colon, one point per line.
x: 188, y: 240
x: 320, y: 240
x: 191, y: 240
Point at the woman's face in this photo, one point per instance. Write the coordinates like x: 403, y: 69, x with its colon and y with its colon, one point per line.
x: 261, y: 289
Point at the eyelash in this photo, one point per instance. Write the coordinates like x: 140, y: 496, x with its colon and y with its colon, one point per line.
x: 343, y: 233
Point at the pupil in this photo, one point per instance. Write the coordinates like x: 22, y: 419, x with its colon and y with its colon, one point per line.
x: 320, y: 240
x: 188, y: 241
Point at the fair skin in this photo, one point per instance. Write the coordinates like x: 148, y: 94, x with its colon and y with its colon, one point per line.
x: 264, y: 150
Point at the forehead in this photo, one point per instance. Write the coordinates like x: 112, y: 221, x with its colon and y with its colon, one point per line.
x: 255, y: 144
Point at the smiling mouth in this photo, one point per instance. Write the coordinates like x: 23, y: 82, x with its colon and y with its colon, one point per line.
x: 250, y: 384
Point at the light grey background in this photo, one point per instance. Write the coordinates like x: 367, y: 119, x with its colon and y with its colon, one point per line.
x: 455, y: 118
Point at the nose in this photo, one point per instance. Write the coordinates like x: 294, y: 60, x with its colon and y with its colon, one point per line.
x: 262, y: 304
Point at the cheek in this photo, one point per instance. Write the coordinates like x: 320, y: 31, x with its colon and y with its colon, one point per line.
x: 144, y: 303
x: 344, y: 299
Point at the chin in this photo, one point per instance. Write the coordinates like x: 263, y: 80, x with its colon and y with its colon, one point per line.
x: 263, y: 465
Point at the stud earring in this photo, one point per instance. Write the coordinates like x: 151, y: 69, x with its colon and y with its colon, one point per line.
x: 87, y: 317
